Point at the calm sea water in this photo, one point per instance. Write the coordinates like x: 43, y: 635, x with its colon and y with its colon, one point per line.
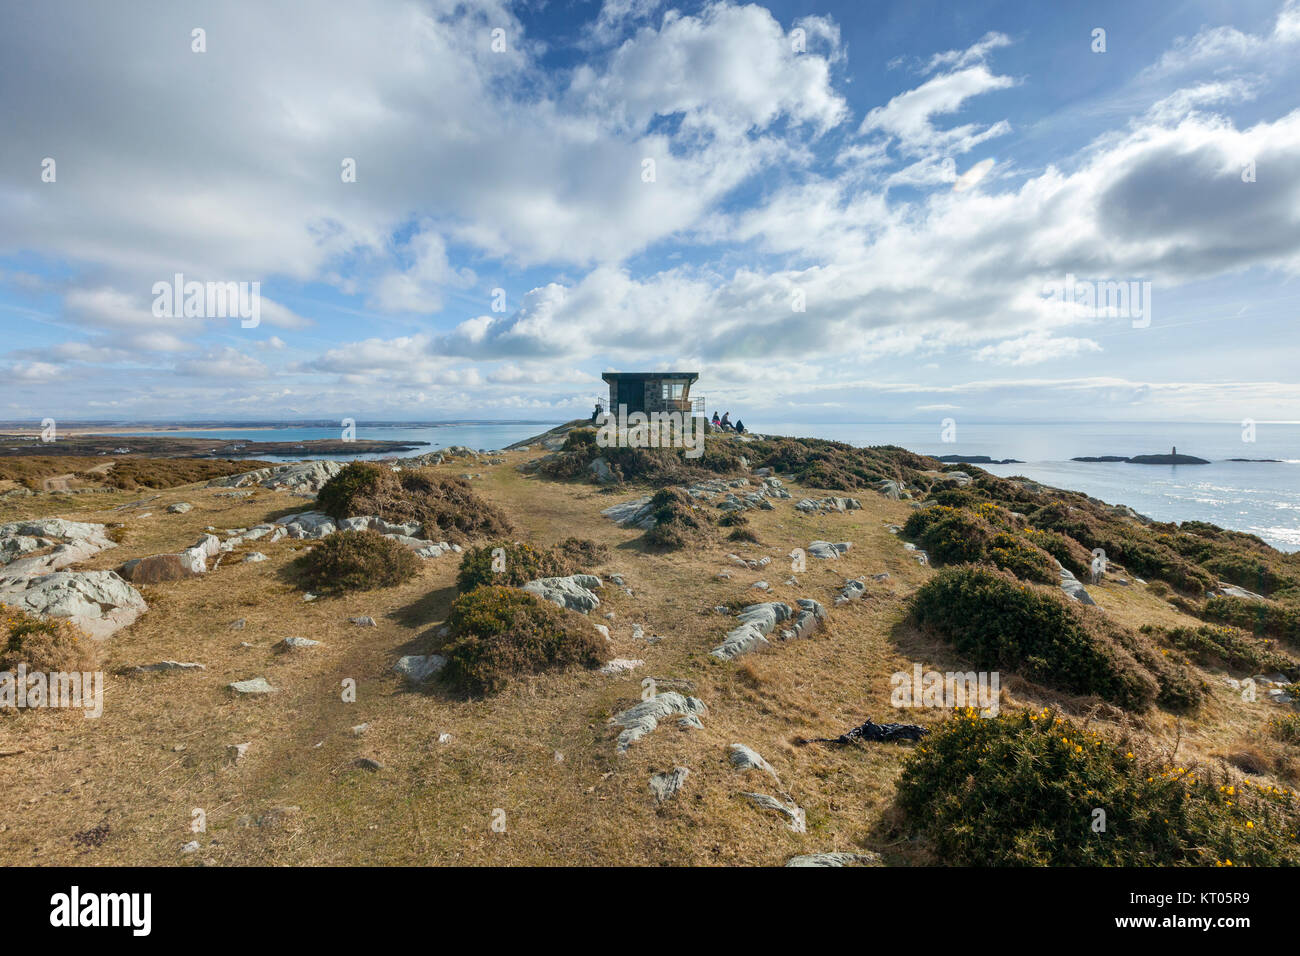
x: 1262, y: 498
x: 477, y: 435
x: 1259, y: 497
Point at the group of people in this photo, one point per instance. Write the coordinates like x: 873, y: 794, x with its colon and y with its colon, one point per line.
x: 725, y: 423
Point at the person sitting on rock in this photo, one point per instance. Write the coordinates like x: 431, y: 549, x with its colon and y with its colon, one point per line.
x: 716, y: 421
x: 740, y: 427
x: 726, y: 421
x: 595, y: 416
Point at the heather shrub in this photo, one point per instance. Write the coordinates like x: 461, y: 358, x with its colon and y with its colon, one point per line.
x: 357, y: 561
x: 678, y: 522
x: 445, y: 508
x: 500, y: 633
x: 521, y: 563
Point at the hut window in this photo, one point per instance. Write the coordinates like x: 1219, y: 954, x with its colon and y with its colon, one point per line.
x: 673, y: 391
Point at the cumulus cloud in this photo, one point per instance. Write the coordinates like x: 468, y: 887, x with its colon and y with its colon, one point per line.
x: 789, y: 231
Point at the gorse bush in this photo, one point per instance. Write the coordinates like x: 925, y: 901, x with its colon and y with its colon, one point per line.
x: 445, y: 508
x: 1022, y: 789
x: 955, y: 535
x: 1285, y: 728
x: 501, y: 633
x: 1021, y: 557
x: 521, y: 563
x: 357, y: 561
x: 1258, y: 617
x: 1215, y: 645
x: 1001, y: 623
x: 44, y: 644
x: 1073, y: 556
x: 950, y: 535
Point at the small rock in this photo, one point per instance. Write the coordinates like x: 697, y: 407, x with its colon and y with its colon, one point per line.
x: 665, y: 786
x: 168, y: 666
x: 180, y: 508
x: 257, y: 686
x: 367, y: 763
x: 253, y: 557
x: 237, y: 752
x: 295, y: 643
x: 745, y: 759
x: 620, y: 665
x: 419, y: 668
x: 362, y: 621
x: 191, y: 847
x: 835, y: 859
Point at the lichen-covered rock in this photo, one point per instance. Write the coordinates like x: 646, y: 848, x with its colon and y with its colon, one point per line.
x: 1071, y: 586
x: 632, y: 514
x: 744, y: 758
x: 643, y: 718
x: 575, y: 592
x: 301, y: 477
x: 756, y: 622
x: 835, y: 859
x: 418, y: 668
x: 96, y: 602
x: 59, y: 542
x: 664, y: 786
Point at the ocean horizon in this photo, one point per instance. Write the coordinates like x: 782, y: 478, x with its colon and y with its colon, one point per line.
x: 1257, y: 497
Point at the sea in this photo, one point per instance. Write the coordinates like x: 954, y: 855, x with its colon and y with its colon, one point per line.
x: 1259, y: 497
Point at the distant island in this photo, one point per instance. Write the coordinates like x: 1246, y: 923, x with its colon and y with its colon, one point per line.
x: 978, y: 460
x: 159, y: 446
x: 1173, y: 458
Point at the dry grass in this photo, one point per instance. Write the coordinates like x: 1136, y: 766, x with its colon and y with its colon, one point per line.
x: 160, y: 749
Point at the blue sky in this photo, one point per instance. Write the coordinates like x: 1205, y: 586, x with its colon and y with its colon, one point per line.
x: 855, y: 212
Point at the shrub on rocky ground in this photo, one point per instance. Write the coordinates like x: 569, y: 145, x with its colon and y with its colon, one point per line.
x: 44, y: 644
x: 678, y: 522
x: 1285, y: 728
x: 1038, y: 780
x: 357, y: 561
x: 512, y: 563
x: 1259, y: 617
x: 446, y: 508
x: 501, y: 633
x: 1024, y: 559
x: 1216, y: 645
x: 1001, y: 623
x: 835, y: 465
